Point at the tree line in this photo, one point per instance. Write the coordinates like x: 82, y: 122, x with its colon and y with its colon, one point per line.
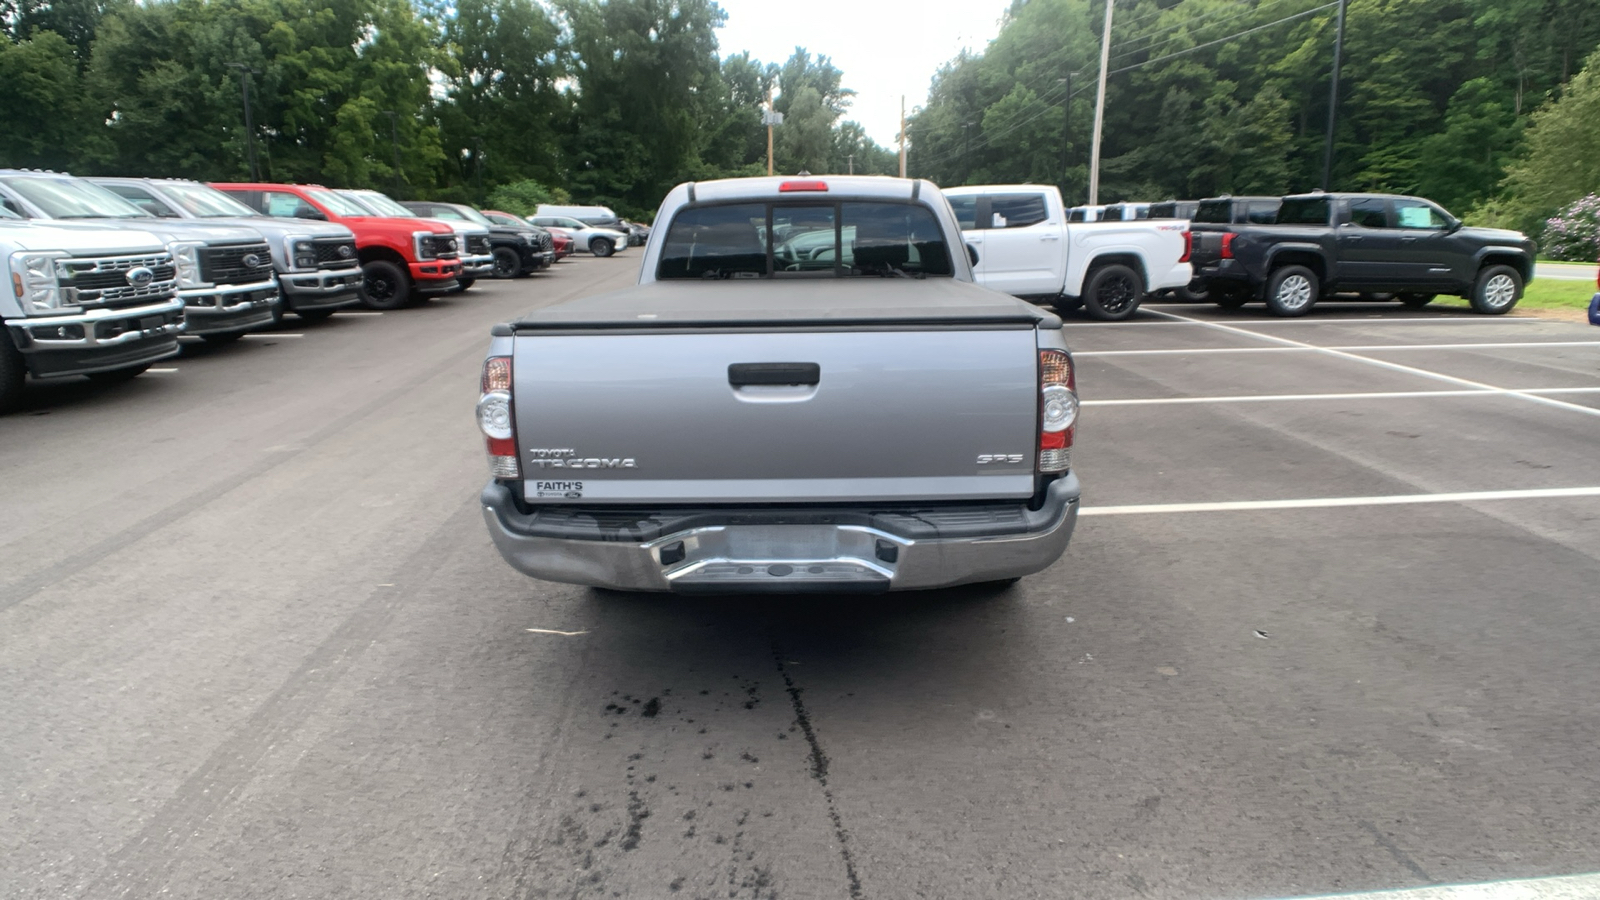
x: 606, y: 101
x: 1473, y: 103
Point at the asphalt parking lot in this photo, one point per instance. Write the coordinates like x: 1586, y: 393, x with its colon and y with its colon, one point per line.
x: 1328, y: 624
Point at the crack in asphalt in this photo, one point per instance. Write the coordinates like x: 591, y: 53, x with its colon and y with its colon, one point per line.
x: 819, y: 771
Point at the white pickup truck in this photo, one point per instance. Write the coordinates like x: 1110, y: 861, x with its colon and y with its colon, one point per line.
x: 1026, y: 247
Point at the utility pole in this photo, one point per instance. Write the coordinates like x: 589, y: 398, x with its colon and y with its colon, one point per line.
x: 1100, y: 109
x: 966, y: 151
x: 1333, y: 101
x: 1066, y: 125
x: 394, y: 136
x: 249, y: 128
x: 771, y: 118
x: 902, y: 135
x: 851, y: 159
x: 477, y: 164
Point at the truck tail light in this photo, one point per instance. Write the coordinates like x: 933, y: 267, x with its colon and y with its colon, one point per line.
x: 1188, y: 246
x: 497, y: 418
x: 1058, y: 410
x: 1227, y: 244
x: 792, y: 186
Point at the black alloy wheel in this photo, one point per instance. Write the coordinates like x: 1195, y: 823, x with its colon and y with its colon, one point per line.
x: 384, y: 285
x: 1112, y: 293
x: 507, y: 264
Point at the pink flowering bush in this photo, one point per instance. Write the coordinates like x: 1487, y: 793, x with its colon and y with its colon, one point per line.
x: 1574, y: 233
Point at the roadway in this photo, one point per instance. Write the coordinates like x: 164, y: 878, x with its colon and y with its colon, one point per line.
x: 255, y: 643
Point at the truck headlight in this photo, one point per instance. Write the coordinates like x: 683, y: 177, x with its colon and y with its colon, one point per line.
x: 424, y: 245
x: 186, y: 257
x: 301, y: 250
x: 527, y: 237
x: 36, y: 283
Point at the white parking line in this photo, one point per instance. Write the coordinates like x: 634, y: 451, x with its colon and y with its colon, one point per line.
x: 1393, y: 367
x: 1325, y: 502
x: 1363, y: 348
x: 359, y: 312
x: 162, y: 370
x: 270, y: 335
x: 1563, y: 887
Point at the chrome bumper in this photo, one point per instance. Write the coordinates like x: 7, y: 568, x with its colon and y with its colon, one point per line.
x: 232, y: 307
x: 755, y: 550
x: 477, y: 266
x: 320, y: 289
x: 101, y: 339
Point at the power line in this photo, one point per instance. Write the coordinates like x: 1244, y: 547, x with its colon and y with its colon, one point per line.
x: 986, y: 139
x: 1206, y: 15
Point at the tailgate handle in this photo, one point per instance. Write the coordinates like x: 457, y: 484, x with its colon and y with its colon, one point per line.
x: 746, y: 374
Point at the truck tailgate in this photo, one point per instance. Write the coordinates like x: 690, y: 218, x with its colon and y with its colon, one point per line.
x: 794, y: 415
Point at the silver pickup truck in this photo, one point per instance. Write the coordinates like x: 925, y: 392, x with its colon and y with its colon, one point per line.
x: 805, y: 391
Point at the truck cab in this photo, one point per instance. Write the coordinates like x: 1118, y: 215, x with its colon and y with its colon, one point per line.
x: 1026, y: 247
x: 225, y: 275
x: 316, y: 264
x: 402, y: 260
x: 83, y: 300
x: 472, y: 238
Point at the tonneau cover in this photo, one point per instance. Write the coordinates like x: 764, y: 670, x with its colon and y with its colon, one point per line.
x: 737, y: 303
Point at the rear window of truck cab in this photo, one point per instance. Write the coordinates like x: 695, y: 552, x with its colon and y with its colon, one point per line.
x: 804, y: 238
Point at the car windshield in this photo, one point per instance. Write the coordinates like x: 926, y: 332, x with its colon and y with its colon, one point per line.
x: 337, y: 204
x: 473, y: 215
x: 69, y: 198
x: 768, y: 240
x: 205, y: 202
x: 379, y: 203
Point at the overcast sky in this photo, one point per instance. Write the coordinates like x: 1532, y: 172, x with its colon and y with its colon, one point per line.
x: 884, y: 47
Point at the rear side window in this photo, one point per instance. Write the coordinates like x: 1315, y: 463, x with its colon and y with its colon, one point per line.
x: 1017, y: 210
x: 966, y: 209
x: 1215, y: 212
x: 288, y: 206
x: 1369, y: 212
x: 1304, y: 211
x: 1262, y: 212
x: 779, y: 240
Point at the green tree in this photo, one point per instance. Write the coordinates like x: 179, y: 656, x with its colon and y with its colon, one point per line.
x: 1561, y: 164
x: 42, y: 104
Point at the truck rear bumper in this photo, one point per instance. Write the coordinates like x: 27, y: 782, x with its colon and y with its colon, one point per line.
x: 733, y: 549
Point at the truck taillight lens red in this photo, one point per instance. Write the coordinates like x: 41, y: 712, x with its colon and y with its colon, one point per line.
x: 1188, y: 246
x: 497, y: 418
x: 1058, y: 410
x: 1227, y: 244
x: 789, y: 187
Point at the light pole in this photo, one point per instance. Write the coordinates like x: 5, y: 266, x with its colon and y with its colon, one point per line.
x: 1333, y: 101
x: 249, y: 128
x: 1066, y: 125
x: 394, y: 137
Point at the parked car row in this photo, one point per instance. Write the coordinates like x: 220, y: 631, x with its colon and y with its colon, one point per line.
x: 105, y: 273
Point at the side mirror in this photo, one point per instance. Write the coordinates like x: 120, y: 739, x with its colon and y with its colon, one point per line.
x: 972, y: 254
x: 312, y: 214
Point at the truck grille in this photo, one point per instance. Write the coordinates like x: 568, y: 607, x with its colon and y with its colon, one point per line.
x: 232, y: 265
x: 104, y: 282
x: 543, y: 241
x: 477, y: 244
x: 440, y: 246
x: 336, y: 253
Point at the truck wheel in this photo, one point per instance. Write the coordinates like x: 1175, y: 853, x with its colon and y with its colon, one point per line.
x: 1193, y: 292
x: 1228, y: 298
x: 507, y: 264
x: 13, y: 374
x: 1112, y: 293
x: 1292, y: 291
x: 462, y: 284
x: 1416, y: 301
x: 602, y: 247
x: 384, y: 285
x: 117, y: 376
x: 1498, y: 289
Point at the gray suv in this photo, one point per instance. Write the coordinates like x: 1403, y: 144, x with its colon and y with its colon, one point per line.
x: 318, y: 270
x: 225, y: 276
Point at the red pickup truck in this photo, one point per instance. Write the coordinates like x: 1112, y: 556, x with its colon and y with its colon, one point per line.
x: 401, y: 259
